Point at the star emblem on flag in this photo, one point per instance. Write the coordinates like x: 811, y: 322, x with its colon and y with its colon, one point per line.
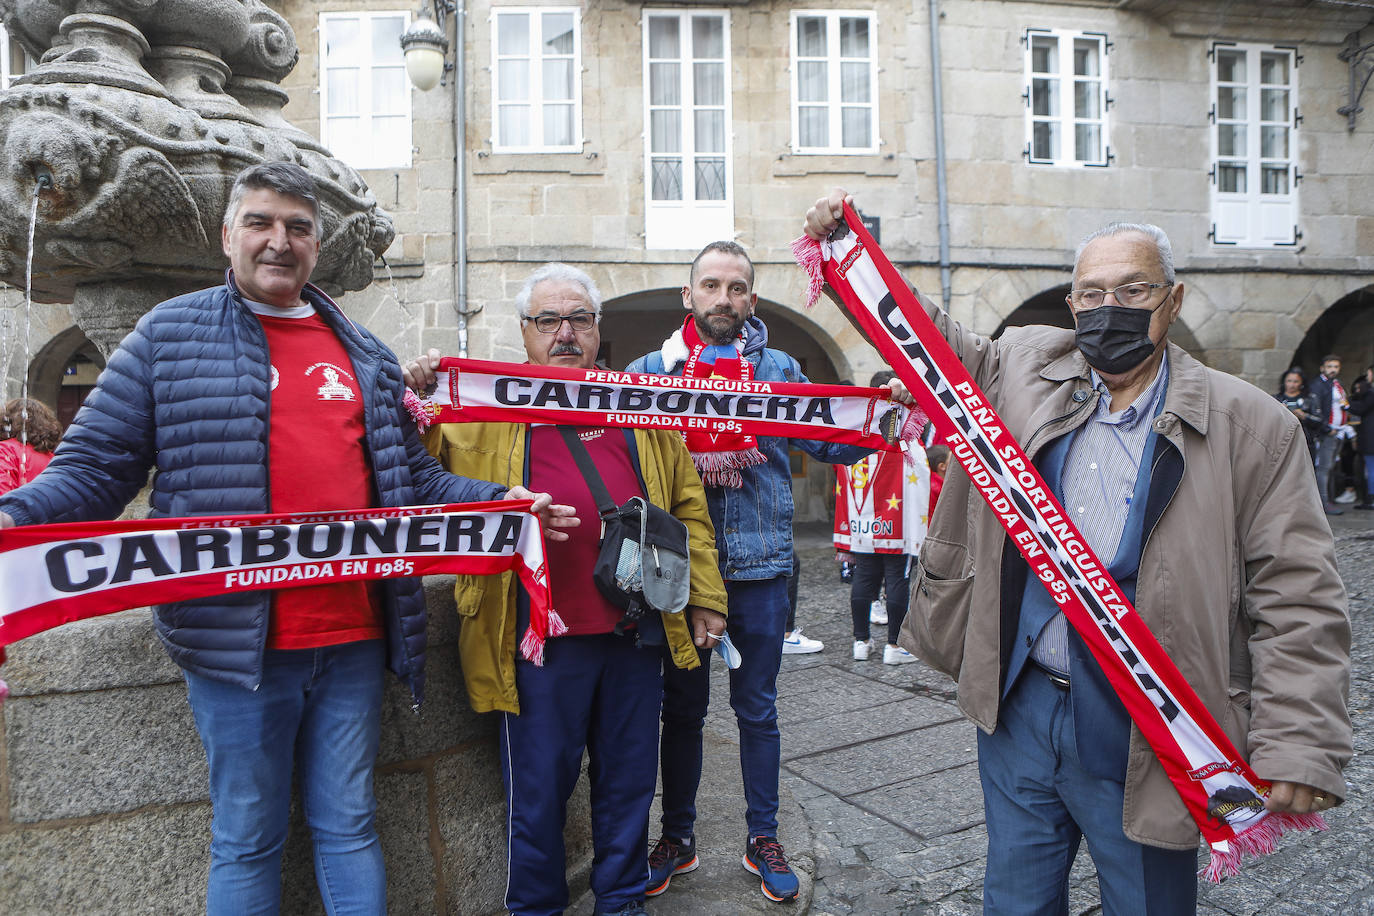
x: 894, y: 502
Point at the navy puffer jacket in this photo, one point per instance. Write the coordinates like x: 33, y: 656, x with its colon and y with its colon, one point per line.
x: 187, y: 395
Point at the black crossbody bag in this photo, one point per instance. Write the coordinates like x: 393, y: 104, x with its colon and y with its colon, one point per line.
x: 644, y: 562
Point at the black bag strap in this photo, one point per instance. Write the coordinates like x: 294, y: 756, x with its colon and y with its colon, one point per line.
x: 604, y: 504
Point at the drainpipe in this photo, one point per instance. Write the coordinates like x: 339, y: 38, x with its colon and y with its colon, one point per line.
x: 460, y: 179
x: 941, y: 190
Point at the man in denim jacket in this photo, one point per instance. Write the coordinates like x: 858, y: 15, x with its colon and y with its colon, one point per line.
x: 749, y: 492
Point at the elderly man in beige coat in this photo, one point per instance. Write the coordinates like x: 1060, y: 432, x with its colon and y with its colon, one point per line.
x: 1196, y: 489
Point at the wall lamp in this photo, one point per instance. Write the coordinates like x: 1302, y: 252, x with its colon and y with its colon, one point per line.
x: 426, y: 46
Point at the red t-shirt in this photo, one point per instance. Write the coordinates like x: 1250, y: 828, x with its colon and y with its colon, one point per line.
x: 936, y: 483
x: 552, y: 470
x: 316, y: 461
x: 19, y: 463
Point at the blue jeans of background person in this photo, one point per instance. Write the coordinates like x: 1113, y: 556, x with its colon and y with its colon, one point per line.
x: 758, y: 613
x: 320, y: 708
x: 1039, y: 803
x: 891, y: 572
x: 601, y: 693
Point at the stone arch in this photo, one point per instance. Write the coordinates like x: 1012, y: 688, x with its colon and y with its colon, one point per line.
x: 1048, y: 307
x: 63, y: 372
x: 1346, y: 328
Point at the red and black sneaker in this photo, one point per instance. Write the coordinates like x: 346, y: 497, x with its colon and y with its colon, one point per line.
x: 670, y: 857
x: 764, y: 858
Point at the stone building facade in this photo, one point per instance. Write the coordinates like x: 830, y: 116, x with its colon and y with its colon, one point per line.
x: 619, y: 136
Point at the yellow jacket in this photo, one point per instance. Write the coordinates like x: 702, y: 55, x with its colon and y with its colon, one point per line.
x: 487, y: 639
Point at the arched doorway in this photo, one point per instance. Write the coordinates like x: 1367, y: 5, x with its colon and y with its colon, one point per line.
x: 638, y: 323
x: 1049, y: 308
x: 64, y: 371
x: 1346, y: 329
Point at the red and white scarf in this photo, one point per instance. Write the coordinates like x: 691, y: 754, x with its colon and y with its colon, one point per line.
x: 473, y: 390
x: 56, y: 574
x: 1219, y: 788
x: 718, y: 456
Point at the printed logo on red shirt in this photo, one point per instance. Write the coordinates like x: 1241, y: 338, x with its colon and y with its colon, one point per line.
x: 332, y: 389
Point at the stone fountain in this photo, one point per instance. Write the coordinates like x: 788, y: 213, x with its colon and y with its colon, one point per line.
x: 134, y: 123
x: 131, y: 128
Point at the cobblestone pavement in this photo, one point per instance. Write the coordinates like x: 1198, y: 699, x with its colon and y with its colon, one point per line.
x: 883, y: 766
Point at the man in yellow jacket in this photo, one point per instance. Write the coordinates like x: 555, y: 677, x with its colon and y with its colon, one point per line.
x: 596, y: 690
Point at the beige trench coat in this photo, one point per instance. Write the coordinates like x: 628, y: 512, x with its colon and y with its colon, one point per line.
x: 1237, y: 581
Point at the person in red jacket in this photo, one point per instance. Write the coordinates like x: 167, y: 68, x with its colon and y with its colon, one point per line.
x: 937, y: 456
x: 29, y: 432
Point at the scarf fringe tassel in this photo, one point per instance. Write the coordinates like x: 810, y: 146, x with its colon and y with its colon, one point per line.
x: 419, y: 411
x: 722, y: 469
x: 1259, y: 840
x: 532, y: 644
x: 807, y: 252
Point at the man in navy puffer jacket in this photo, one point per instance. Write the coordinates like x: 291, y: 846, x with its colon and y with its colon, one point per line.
x: 261, y: 396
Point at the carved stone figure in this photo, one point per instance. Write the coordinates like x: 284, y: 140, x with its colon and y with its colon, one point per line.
x: 132, y: 128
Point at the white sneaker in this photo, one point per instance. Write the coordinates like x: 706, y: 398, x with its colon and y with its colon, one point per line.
x: 798, y: 644
x: 896, y: 655
x: 1347, y: 497
x: 861, y: 649
x: 877, y: 612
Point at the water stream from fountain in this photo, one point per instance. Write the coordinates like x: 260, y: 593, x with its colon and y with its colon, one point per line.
x: 28, y: 333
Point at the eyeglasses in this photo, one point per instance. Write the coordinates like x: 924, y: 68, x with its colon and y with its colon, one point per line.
x: 549, y: 324
x: 1128, y: 294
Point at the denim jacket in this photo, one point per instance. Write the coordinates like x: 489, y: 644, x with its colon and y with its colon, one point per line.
x: 754, y: 522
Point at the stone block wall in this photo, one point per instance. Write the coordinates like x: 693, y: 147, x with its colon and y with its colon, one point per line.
x: 103, y: 800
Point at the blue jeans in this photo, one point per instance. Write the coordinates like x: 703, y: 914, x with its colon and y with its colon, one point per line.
x: 758, y: 613
x: 1040, y: 803
x: 318, y: 708
x: 603, y: 694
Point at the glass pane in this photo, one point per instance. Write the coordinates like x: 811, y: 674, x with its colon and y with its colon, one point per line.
x: 708, y: 37
x: 708, y: 84
x: 813, y: 127
x: 348, y: 140
x: 1231, y: 66
x: 665, y: 132
x: 1274, y: 142
x: 710, y: 131
x: 1045, y: 140
x: 342, y: 41
x: 1230, y: 103
x: 1274, y: 179
x: 854, y: 82
x: 558, y: 79
x: 854, y: 131
x: 1044, y: 54
x: 710, y: 184
x: 667, y: 179
x: 558, y: 33
x: 18, y: 59
x: 663, y: 37
x: 512, y: 33
x: 386, y: 40
x: 513, y: 125
x: 1231, y: 177
x: 558, y: 125
x: 1274, y: 104
x: 389, y: 90
x: 1087, y: 142
x: 1045, y: 97
x: 1231, y: 139
x: 1274, y: 69
x: 811, y: 82
x: 1085, y: 57
x: 1087, y: 98
x: 513, y: 80
x: 342, y: 86
x: 853, y: 37
x: 390, y: 142
x: 664, y: 85
x: 810, y: 36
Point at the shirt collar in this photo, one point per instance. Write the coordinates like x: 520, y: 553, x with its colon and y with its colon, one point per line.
x: 1146, y: 403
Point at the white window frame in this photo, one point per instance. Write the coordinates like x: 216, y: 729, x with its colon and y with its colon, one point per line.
x: 1067, y: 119
x: 536, y: 101
x: 365, y: 112
x: 688, y: 223
x: 834, y: 103
x: 7, y: 59
x: 1252, y: 218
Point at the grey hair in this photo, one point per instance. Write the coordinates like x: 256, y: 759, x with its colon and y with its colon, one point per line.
x: 286, y: 178
x: 557, y: 273
x: 1150, y: 231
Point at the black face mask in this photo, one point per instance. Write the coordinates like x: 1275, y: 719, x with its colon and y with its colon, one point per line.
x: 1115, y: 339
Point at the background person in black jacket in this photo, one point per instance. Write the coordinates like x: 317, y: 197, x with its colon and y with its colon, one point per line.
x: 1292, y: 394
x: 208, y: 389
x: 1362, y: 408
x: 1332, y: 406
